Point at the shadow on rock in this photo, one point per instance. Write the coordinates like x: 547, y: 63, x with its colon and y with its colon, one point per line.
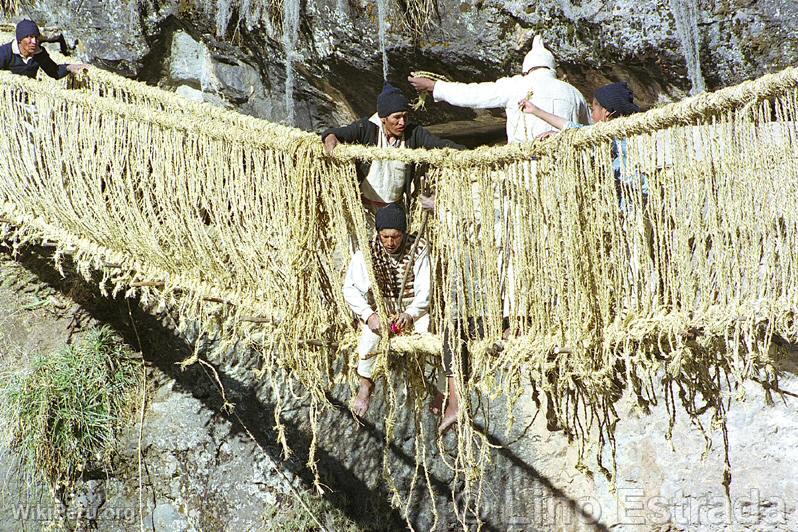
x: 349, y: 454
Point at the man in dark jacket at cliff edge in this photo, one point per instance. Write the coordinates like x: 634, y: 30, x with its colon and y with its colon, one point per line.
x: 384, y: 182
x: 24, y: 55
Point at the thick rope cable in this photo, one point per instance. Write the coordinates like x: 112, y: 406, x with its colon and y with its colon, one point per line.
x: 677, y: 275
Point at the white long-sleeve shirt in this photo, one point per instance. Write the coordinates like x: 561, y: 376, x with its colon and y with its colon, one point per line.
x: 547, y: 92
x: 357, y: 286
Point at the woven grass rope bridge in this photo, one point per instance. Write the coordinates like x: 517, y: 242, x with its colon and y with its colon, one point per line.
x: 240, y: 226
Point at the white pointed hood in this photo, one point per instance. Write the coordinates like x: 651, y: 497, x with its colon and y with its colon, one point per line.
x: 538, y: 56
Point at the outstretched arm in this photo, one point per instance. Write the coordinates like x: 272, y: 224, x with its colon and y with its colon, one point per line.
x: 486, y: 95
x: 553, y: 120
x: 58, y: 71
x: 422, y: 84
x: 49, y: 66
x: 356, y: 285
x: 355, y: 133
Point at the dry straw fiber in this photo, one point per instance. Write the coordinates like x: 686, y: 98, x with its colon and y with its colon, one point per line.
x: 228, y: 218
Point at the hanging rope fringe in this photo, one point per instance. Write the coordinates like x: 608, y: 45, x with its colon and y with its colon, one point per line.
x: 243, y: 227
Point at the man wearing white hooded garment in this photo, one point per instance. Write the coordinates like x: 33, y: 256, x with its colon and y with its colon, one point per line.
x: 538, y: 79
x: 539, y: 84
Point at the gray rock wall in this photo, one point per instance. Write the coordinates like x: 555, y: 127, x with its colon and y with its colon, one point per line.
x: 534, y: 483
x: 199, y: 469
x: 203, y: 468
x: 339, y: 64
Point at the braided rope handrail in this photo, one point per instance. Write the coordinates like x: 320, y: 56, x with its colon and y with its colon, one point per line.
x: 694, y: 109
x: 184, y: 203
x: 274, y: 136
x: 97, y: 79
x: 686, y: 112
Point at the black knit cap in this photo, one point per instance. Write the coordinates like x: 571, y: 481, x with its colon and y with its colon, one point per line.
x: 390, y: 101
x: 27, y: 27
x: 392, y: 216
x: 617, y: 98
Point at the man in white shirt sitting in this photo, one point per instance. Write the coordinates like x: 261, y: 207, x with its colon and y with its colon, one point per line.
x: 396, y: 264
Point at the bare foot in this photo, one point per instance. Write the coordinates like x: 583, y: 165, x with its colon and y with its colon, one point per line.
x: 363, y: 397
x: 452, y: 408
x: 449, y: 417
x: 436, y: 405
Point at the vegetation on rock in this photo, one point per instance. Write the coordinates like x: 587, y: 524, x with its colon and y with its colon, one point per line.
x: 63, y: 414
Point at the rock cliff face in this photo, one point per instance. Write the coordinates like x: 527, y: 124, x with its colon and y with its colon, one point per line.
x: 199, y: 470
x: 204, y: 471
x: 228, y: 53
x: 533, y: 482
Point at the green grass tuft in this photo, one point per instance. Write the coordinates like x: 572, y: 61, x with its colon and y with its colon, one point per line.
x: 63, y: 414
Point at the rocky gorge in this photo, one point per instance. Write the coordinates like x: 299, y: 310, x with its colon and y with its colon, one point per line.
x: 233, y: 55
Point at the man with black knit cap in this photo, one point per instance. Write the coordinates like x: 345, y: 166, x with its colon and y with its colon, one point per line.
x: 384, y: 182
x: 397, y: 264
x: 24, y: 55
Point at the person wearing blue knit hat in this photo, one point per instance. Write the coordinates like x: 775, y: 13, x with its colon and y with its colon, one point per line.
x: 617, y: 99
x: 24, y: 55
x: 610, y: 101
x: 383, y: 182
x: 391, y: 101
